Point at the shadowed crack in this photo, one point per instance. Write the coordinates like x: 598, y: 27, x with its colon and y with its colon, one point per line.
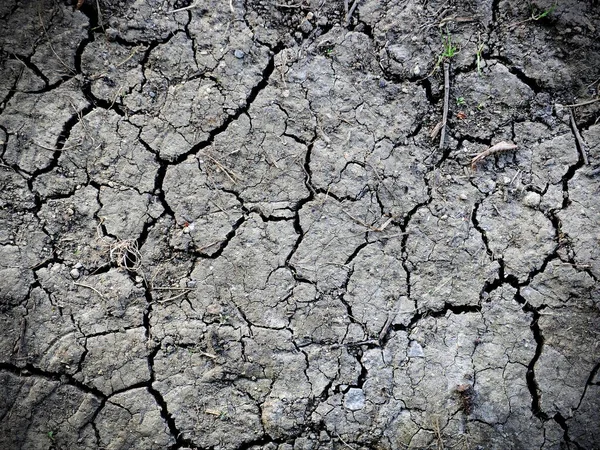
x: 164, y: 410
x: 29, y: 370
x: 259, y: 87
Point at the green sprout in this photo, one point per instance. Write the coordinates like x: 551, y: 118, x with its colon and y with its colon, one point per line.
x: 448, y: 50
x: 543, y: 14
x: 460, y: 101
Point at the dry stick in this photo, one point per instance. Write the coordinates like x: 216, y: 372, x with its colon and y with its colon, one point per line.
x: 588, y: 102
x: 446, y: 103
x: 440, y: 443
x: 227, y: 172
x: 175, y: 297
x: 56, y: 149
x: 578, y: 138
x: 344, y: 442
x: 99, y: 15
x: 282, y: 5
x: 386, y: 327
x: 89, y: 287
x: 352, y: 8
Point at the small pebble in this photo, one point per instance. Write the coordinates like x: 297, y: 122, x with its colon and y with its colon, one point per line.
x: 74, y: 274
x: 415, y: 350
x: 239, y: 54
x: 532, y: 199
x: 354, y: 399
x: 78, y: 265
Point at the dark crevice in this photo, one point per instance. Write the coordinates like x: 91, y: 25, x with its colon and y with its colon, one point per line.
x: 518, y: 72
x: 356, y: 252
x: 89, y: 10
x: 59, y: 145
x: 223, y: 245
x: 164, y: 410
x: 426, y: 85
x: 86, y: 88
x: 26, y: 60
x: 495, y: 11
x: 260, y: 86
x: 404, y: 227
x: 11, y: 92
x: 532, y: 384
x: 589, y: 382
x: 29, y: 370
x: 147, y: 312
x: 454, y: 309
x: 416, y: 131
x: 297, y: 226
x: 562, y: 422
x: 158, y: 187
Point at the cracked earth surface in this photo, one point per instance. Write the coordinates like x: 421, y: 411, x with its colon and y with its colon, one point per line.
x: 225, y: 225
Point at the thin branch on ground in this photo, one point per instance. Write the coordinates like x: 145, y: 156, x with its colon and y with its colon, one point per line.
x: 175, y: 297
x: 229, y: 173
x: 587, y: 102
x: 90, y: 287
x: 446, y: 103
x: 438, y: 435
x: 351, y: 11
x: 283, y: 5
x: 171, y: 288
x: 56, y: 149
x: 100, y: 22
x: 366, y: 225
x: 344, y: 442
x: 578, y: 138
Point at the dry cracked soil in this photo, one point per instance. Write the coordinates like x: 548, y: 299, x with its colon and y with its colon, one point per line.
x: 233, y: 224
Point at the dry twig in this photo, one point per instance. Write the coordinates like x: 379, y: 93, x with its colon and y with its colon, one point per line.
x: 578, y: 138
x: 89, y: 287
x: 351, y: 11
x: 499, y: 147
x: 587, y: 102
x: 446, y: 103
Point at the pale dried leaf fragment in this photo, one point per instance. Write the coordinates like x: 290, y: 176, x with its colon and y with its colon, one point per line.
x: 499, y: 147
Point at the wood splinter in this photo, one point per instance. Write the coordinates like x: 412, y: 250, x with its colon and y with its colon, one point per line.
x: 499, y: 147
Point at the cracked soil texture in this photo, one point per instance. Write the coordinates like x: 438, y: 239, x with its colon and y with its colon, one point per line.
x: 228, y: 225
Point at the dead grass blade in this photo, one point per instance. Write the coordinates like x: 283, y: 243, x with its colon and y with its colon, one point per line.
x: 499, y: 147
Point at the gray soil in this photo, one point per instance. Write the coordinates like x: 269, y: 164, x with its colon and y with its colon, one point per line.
x: 226, y: 225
